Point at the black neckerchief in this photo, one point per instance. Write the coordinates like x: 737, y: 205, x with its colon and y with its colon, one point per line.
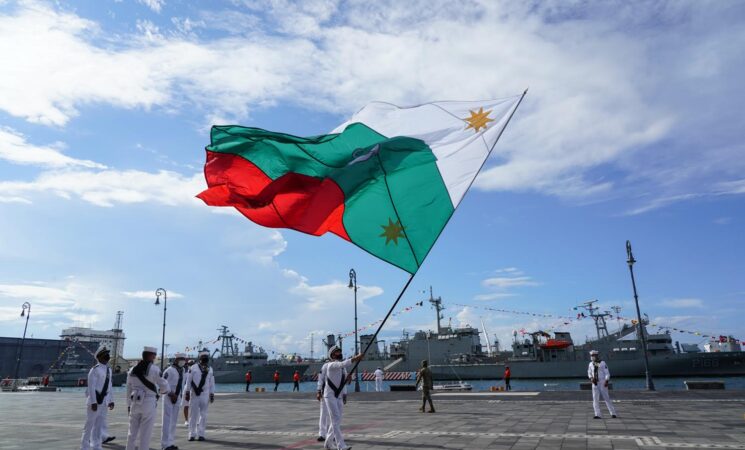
x: 336, y: 390
x: 100, y: 396
x: 140, y: 371
x: 180, y: 371
x: 198, y: 389
x: 596, y: 366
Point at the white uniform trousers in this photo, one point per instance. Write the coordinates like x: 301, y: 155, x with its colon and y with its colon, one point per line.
x: 323, y: 419
x: 170, y: 417
x: 334, y: 408
x: 141, y: 421
x: 94, y: 429
x: 104, y: 423
x: 378, y: 385
x: 198, y: 414
x: 599, y: 390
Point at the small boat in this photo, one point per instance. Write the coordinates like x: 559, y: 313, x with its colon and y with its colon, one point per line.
x: 555, y: 343
x: 452, y: 387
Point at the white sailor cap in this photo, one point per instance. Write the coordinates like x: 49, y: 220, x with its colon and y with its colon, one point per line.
x: 102, y: 349
x: 179, y: 355
x: 150, y: 349
x: 204, y: 353
x: 594, y: 352
x: 333, y: 349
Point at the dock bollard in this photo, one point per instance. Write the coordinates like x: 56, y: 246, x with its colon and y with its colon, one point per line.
x: 260, y: 389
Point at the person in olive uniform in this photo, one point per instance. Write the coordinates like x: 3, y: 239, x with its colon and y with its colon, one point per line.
x: 424, y: 376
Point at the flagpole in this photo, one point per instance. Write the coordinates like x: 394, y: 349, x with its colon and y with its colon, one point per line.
x: 380, y: 327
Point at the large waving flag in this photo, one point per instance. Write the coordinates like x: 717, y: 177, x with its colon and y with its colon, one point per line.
x: 388, y: 180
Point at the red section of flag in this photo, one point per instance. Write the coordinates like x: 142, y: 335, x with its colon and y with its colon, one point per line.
x: 307, y: 204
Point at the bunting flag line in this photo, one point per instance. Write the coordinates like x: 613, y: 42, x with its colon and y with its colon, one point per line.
x: 372, y: 324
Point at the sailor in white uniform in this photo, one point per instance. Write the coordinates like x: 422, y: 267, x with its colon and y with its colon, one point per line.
x: 200, y: 392
x: 323, y: 419
x: 175, y: 375
x: 335, y: 374
x: 379, y: 379
x: 599, y: 376
x: 143, y: 383
x: 98, y: 399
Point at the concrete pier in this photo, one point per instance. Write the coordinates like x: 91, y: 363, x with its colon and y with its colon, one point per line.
x: 390, y: 420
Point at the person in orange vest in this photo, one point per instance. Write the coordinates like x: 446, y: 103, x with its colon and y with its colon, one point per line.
x: 507, y: 375
x: 296, y: 381
x: 45, y: 380
x: 276, y: 380
x: 248, y: 381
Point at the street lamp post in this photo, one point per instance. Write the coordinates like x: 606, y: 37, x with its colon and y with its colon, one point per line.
x: 158, y: 293
x: 353, y: 285
x: 26, y: 306
x: 639, y: 324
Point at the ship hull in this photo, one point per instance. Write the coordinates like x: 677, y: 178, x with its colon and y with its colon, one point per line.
x: 674, y: 365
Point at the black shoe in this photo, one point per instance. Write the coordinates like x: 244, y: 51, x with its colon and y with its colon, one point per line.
x: 596, y: 417
x: 171, y: 447
x: 191, y: 438
x: 614, y: 416
x: 321, y: 439
x: 201, y: 438
x: 108, y: 439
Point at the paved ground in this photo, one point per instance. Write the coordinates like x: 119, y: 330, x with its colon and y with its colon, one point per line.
x: 547, y: 420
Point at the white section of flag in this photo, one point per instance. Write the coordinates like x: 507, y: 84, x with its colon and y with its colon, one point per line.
x: 460, y: 151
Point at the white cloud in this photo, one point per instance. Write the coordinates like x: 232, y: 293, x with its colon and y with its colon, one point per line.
x: 65, y: 302
x: 683, y: 303
x: 110, y: 187
x: 149, y: 295
x: 252, y: 242
x: 508, y: 282
x: 15, y: 149
x: 327, y: 296
x: 155, y: 5
x: 592, y: 102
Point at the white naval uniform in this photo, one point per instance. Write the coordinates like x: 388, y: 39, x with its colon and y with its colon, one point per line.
x: 143, y: 404
x: 323, y: 419
x: 336, y: 372
x: 170, y: 408
x: 95, y: 421
x: 599, y: 389
x: 378, y: 380
x: 198, y: 404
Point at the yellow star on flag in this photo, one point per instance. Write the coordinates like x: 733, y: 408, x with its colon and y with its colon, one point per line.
x: 478, y: 119
x: 392, y: 231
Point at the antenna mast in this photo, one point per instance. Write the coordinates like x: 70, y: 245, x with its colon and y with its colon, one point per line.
x: 599, y: 318
x: 437, y: 303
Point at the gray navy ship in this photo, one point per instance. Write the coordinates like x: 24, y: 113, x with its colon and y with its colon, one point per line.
x: 230, y: 364
x: 457, y: 353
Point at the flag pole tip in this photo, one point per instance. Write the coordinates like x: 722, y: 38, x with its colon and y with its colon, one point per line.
x: 526, y: 90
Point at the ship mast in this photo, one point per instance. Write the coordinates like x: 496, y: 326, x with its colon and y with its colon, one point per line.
x: 437, y: 303
x: 599, y: 318
x: 226, y: 339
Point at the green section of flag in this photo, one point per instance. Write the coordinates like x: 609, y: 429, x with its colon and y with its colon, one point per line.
x: 396, y: 203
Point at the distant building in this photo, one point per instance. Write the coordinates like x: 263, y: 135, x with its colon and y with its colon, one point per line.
x: 112, y: 339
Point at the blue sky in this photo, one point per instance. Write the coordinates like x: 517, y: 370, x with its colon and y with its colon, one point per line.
x: 632, y: 129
